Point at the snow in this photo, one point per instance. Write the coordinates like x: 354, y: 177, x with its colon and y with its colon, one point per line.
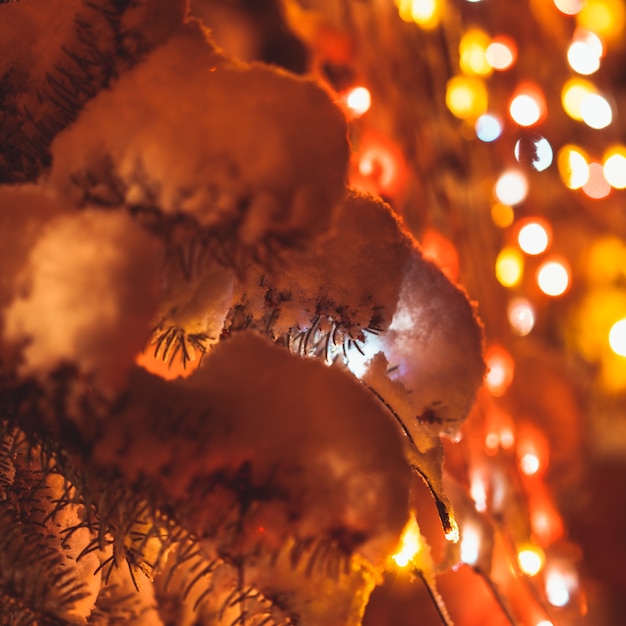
x: 90, y: 294
x: 319, y: 451
x: 220, y: 141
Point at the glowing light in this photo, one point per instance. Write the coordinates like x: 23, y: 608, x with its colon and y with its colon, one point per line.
x: 617, y: 337
x: 442, y: 251
x: 521, y: 316
x: 531, y: 559
x: 534, y: 236
x: 542, y: 155
x: 466, y: 97
x: 502, y: 215
x: 500, y: 370
x: 596, y: 111
x: 569, y: 7
x: 509, y: 267
x: 528, y: 105
x: 501, y: 53
x: 452, y: 534
x: 488, y: 127
x: 359, y: 101
x: 470, y: 544
x: 472, y: 53
x: 558, y: 588
x: 615, y: 167
x: 573, y: 167
x: 425, y: 13
x: 511, y: 188
x: 597, y: 186
x: 553, y: 278
x: 507, y: 439
x: 478, y: 491
x: 410, y: 544
x: 380, y: 165
x: 573, y: 94
x: 604, y: 17
x: 529, y: 464
x: 544, y: 622
x: 585, y: 52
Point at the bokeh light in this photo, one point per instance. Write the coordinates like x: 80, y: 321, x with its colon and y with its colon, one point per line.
x: 596, y: 111
x: 531, y: 559
x: 509, y: 267
x: 511, y: 187
x: 569, y: 7
x: 500, y: 370
x: 617, y: 337
x: 501, y: 53
x: 585, y: 52
x: 534, y: 236
x: 528, y: 105
x: 553, y: 277
x: 424, y: 13
x: 359, y: 101
x: 521, y: 316
x: 466, y: 97
x: 615, y: 167
x: 573, y: 95
x: 488, y: 127
x: 604, y: 17
x: 597, y: 187
x: 502, y: 215
x: 573, y: 166
x: 536, y: 151
x: 472, y: 53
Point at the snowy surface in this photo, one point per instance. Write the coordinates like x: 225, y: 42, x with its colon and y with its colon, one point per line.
x: 222, y: 142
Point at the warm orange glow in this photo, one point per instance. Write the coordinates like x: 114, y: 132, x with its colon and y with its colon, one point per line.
x: 466, y: 97
x: 470, y: 544
x: 161, y: 368
x: 533, y: 450
x: 472, y: 53
x: 509, y: 267
x: 442, y: 251
x: 614, y: 167
x: 502, y: 215
x: 604, y: 17
x: 521, y: 314
x: 501, y: 367
x: 410, y: 544
x: 424, y: 13
x: 511, y: 187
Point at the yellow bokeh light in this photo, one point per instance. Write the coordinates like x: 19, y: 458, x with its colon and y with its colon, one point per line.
x: 472, y: 53
x: 531, y: 559
x: 410, y: 544
x: 424, y: 13
x: 534, y: 236
x: 511, y: 187
x: 604, y: 17
x: 553, y: 277
x: 573, y: 167
x: 501, y: 53
x: 502, y: 215
x: 596, y: 111
x: 509, y: 267
x: 466, y: 97
x: 573, y: 95
x: 615, y: 167
x: 617, y: 337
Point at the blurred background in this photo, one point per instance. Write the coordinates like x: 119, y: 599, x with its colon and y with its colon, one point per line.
x: 496, y: 130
